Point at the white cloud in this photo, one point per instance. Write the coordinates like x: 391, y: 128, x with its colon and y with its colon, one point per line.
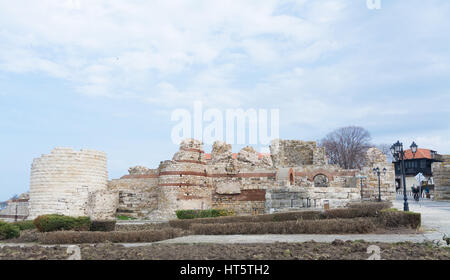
x: 320, y: 62
x: 95, y: 44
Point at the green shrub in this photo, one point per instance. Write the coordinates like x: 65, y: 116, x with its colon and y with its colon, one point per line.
x: 125, y: 218
x: 195, y: 214
x: 8, y: 231
x: 24, y: 225
x: 103, y: 225
x: 55, y: 222
x: 80, y: 237
x: 390, y: 218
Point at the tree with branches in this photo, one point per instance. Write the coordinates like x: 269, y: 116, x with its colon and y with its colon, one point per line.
x: 347, y: 146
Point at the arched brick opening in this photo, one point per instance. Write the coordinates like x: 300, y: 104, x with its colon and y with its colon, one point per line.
x: 329, y: 175
x: 286, y: 176
x: 320, y: 180
x: 291, y: 177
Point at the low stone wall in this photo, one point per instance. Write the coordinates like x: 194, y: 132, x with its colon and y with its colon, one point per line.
x: 285, y: 199
x: 247, y: 202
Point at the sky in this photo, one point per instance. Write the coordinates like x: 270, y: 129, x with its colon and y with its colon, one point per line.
x: 108, y: 74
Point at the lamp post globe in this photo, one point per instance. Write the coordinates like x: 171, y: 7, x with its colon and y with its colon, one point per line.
x: 413, y: 148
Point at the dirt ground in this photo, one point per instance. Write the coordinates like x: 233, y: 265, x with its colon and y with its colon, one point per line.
x: 338, y: 250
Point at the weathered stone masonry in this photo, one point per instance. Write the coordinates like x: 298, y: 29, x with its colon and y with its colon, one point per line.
x: 295, y: 175
x: 71, y: 183
x: 441, y: 176
x: 16, y: 209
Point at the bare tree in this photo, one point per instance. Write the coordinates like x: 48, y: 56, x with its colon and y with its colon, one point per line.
x: 347, y: 146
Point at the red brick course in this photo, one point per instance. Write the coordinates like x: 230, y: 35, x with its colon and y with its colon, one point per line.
x: 245, y: 195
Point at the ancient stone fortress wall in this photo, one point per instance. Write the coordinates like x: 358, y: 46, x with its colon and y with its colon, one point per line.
x: 295, y: 175
x: 71, y: 183
x: 289, y: 153
x: 369, y: 190
x: 441, y: 177
x: 183, y: 181
x: 240, y: 183
x: 138, y: 192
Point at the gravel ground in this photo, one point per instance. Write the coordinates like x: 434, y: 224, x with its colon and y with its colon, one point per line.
x: 296, y: 238
x: 337, y: 250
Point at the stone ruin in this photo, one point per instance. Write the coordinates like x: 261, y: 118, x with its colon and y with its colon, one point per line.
x: 295, y: 175
x: 16, y: 209
x: 73, y: 183
x: 441, y: 176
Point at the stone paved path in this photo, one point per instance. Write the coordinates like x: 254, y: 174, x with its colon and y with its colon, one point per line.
x: 294, y: 238
x: 435, y: 215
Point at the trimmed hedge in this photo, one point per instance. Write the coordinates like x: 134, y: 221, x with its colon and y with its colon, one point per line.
x: 278, y: 217
x: 55, y: 222
x: 392, y: 218
x: 195, y: 214
x: 371, y: 206
x: 355, y: 210
x: 24, y: 225
x: 141, y: 227
x: 106, y: 225
x: 349, y: 213
x: 80, y: 237
x: 8, y: 231
x: 342, y: 213
x: 331, y: 226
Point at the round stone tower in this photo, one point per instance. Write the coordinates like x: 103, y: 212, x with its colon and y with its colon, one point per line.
x: 72, y: 183
x: 183, y: 181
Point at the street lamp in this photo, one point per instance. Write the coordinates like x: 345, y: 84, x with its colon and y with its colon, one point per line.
x: 399, y: 155
x: 413, y: 148
x: 376, y: 171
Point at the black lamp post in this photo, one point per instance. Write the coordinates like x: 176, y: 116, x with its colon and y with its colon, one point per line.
x: 399, y: 155
x: 376, y: 171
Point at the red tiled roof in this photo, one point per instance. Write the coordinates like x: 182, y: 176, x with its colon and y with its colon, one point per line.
x: 421, y: 153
